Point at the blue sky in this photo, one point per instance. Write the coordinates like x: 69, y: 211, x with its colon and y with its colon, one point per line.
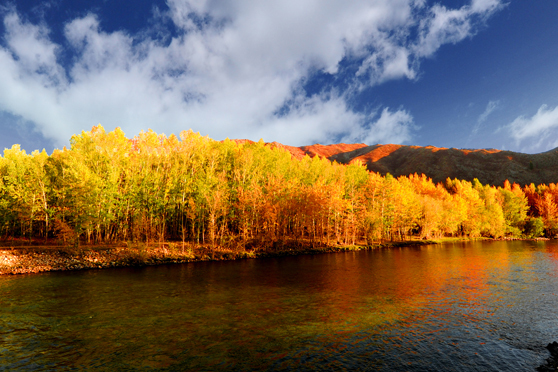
x: 464, y: 74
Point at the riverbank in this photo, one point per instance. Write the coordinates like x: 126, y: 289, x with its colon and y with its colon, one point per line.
x: 40, y: 258
x: 35, y: 259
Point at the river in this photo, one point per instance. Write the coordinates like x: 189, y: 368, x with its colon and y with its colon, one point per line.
x: 475, y: 306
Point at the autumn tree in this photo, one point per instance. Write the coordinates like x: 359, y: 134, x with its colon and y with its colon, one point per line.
x: 514, y: 206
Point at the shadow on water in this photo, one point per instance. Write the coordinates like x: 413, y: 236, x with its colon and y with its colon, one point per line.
x: 480, y: 306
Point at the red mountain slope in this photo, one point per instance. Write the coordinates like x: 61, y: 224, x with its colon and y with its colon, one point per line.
x: 489, y: 166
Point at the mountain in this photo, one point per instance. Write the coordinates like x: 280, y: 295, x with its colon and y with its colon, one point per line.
x: 489, y: 166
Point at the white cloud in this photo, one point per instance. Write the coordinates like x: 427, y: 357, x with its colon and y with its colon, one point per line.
x: 538, y: 125
x: 444, y: 26
x: 234, y: 69
x: 490, y: 107
x: 320, y: 118
x: 391, y: 127
x: 485, y: 6
x: 35, y: 54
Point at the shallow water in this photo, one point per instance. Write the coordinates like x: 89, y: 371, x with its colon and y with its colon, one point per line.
x: 481, y: 306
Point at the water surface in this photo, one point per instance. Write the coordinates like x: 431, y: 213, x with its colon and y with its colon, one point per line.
x: 481, y: 306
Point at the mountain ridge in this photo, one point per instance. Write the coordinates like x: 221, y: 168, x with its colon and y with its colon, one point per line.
x: 489, y: 166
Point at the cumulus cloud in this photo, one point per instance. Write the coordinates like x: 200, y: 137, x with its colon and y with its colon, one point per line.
x: 539, y: 125
x: 390, y: 127
x: 232, y: 68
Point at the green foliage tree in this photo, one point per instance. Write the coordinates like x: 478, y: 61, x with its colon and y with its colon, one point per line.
x: 514, y: 206
x: 534, y: 227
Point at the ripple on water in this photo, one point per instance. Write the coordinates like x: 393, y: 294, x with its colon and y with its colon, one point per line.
x: 461, y: 307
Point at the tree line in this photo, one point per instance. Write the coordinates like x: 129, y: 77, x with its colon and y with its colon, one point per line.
x: 108, y: 188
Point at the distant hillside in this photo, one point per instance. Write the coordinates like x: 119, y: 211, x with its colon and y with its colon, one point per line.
x: 490, y: 166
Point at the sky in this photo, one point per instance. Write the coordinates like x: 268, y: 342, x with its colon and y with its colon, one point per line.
x: 456, y: 73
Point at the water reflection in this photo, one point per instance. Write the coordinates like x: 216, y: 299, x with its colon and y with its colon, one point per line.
x: 484, y: 306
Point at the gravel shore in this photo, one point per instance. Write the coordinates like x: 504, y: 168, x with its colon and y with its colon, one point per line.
x: 24, y: 261
x: 33, y: 259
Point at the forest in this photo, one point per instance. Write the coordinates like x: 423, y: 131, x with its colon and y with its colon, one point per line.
x: 242, y: 195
